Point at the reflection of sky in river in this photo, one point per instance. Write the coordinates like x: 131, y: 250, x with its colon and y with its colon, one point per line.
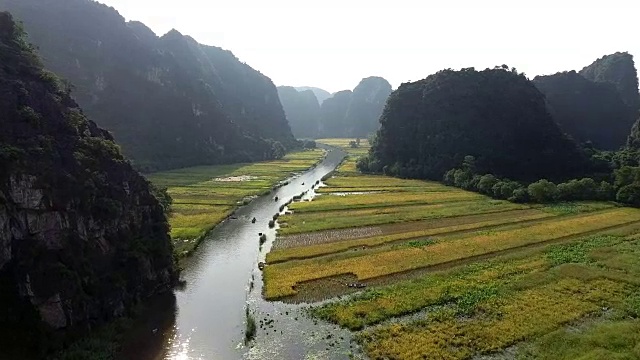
x: 178, y: 347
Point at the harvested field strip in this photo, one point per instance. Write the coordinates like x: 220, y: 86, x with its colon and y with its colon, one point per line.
x: 535, y: 303
x: 527, y: 314
x: 379, y: 189
x: 281, y: 278
x: 320, y: 237
x: 329, y: 236
x: 308, y: 222
x: 303, y: 252
x: 361, y: 201
x: 438, y: 288
x: 384, y: 182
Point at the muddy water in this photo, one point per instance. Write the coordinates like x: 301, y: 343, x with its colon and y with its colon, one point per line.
x: 206, y: 320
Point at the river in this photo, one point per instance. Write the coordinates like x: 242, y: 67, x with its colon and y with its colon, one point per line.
x: 206, y: 319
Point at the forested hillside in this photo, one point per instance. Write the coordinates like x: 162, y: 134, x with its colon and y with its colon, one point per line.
x: 588, y: 111
x: 169, y: 101
x: 82, y: 237
x: 597, y: 105
x: 496, y: 115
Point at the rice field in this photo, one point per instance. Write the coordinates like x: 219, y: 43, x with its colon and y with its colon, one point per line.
x: 204, y: 196
x: 433, y: 272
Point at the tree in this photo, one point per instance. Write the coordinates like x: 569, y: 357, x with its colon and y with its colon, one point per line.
x: 504, y: 189
x: 542, y: 191
x: 629, y: 194
x: 486, y: 184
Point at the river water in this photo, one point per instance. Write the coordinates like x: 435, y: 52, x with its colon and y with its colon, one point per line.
x: 206, y: 319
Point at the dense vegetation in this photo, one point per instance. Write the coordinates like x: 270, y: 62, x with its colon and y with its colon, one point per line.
x: 169, y: 101
x: 496, y: 115
x: 588, y: 111
x: 82, y: 237
x: 302, y: 110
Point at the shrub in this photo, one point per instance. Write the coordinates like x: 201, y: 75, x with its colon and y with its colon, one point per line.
x: 486, y: 184
x: 629, y: 194
x: 543, y: 191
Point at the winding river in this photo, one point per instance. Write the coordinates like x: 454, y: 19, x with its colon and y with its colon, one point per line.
x: 206, y: 319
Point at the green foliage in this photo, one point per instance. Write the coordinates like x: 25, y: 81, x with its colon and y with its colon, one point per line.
x: 486, y: 184
x: 542, y: 191
x: 504, y: 189
x: 629, y: 194
x: 309, y: 144
x: 250, y: 327
x: 583, y: 189
x: 578, y: 252
x: 626, y: 175
x: 618, y: 340
x: 429, y: 126
x: 163, y: 196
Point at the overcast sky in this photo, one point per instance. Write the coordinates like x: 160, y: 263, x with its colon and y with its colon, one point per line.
x: 333, y: 44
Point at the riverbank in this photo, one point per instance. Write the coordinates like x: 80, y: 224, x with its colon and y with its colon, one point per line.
x: 222, y: 278
x: 204, y: 196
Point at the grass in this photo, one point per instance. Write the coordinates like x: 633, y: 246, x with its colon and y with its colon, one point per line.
x: 611, y: 340
x: 250, y: 327
x: 318, y: 221
x: 303, y: 252
x: 204, y: 196
x: 454, y: 275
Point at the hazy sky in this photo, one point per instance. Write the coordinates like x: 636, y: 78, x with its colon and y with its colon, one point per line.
x: 333, y: 44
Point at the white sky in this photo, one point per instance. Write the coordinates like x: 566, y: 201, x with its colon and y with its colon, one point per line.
x: 333, y: 44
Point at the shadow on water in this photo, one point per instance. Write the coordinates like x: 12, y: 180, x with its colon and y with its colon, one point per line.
x: 207, y: 320
x: 153, y: 328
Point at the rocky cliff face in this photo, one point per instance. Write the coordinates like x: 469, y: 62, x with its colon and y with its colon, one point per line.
x: 82, y: 237
x: 355, y: 113
x: 320, y: 94
x: 169, y: 101
x: 302, y: 110
x: 366, y: 106
x: 332, y: 114
x: 619, y: 70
